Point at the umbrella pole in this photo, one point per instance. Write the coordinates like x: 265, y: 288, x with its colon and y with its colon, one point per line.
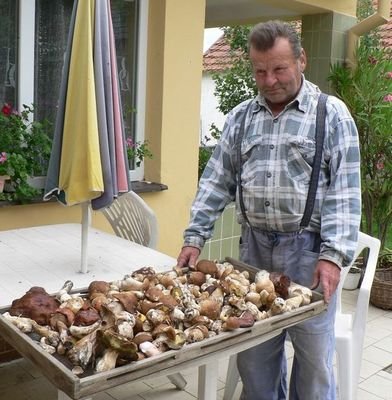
x: 86, y: 222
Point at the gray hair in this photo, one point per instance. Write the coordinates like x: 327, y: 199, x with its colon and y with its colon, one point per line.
x: 262, y: 37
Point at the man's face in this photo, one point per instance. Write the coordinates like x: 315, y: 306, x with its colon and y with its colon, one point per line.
x: 277, y: 72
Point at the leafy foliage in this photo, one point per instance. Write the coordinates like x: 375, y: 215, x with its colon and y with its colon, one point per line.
x: 25, y: 147
x: 367, y: 91
x: 236, y: 84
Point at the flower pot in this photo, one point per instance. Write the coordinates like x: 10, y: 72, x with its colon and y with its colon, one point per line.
x: 37, y: 182
x: 3, y: 178
x: 352, y: 279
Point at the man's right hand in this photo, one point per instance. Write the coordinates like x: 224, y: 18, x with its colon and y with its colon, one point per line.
x: 188, y: 256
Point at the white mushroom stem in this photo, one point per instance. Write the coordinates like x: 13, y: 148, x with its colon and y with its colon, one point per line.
x: 294, y: 302
x: 108, y: 360
x: 46, y: 346
x: 63, y: 294
x: 53, y: 337
x: 80, y: 331
x: 23, y: 324
x: 128, y: 283
x: 299, y: 290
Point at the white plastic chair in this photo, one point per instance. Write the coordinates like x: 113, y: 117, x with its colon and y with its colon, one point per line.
x: 349, y: 329
x: 131, y: 218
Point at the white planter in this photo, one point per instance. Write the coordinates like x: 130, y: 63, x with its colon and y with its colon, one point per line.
x: 352, y: 280
x: 37, y: 182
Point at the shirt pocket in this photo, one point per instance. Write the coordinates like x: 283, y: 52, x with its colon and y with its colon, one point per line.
x: 251, y: 157
x: 300, y: 157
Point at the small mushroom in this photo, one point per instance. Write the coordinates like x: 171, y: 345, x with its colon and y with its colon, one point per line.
x: 296, y: 290
x: 277, y: 307
x: 207, y: 267
x: 196, y: 278
x: 210, y: 308
x: 231, y: 324
x: 294, y: 302
x: 63, y: 294
x: 196, y: 333
x: 149, y: 349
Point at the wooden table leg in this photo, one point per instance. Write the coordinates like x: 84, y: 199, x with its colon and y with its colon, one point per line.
x: 62, y: 396
x: 208, y: 381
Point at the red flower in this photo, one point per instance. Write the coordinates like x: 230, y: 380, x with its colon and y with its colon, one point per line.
x: 7, y: 109
x: 389, y: 75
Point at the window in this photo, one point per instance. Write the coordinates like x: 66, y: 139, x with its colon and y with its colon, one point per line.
x: 43, y: 29
x: 8, y: 51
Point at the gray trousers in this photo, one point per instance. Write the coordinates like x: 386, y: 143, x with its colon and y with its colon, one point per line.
x: 263, y: 368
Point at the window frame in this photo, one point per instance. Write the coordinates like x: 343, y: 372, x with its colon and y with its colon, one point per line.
x: 26, y: 62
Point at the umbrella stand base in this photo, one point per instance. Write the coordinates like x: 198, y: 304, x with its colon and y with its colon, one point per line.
x: 86, y: 223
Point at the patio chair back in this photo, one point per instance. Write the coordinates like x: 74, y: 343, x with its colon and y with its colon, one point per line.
x: 131, y: 218
x: 350, y: 327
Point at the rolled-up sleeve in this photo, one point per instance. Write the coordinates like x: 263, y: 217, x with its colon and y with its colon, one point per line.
x: 341, y: 209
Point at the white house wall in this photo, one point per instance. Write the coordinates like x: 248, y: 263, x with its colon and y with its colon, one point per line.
x: 209, y: 110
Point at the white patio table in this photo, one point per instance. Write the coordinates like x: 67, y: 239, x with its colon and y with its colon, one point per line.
x: 49, y: 255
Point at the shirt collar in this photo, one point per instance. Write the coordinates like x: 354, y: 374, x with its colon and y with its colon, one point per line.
x: 301, y: 101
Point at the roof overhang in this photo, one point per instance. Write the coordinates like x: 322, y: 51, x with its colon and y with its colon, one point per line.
x: 237, y: 12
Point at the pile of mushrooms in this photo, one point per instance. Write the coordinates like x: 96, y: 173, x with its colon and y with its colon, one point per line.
x: 147, y: 313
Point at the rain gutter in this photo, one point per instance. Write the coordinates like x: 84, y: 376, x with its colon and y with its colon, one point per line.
x: 380, y: 17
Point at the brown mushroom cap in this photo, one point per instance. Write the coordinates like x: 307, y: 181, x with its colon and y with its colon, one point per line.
x: 281, y: 283
x: 210, y: 308
x: 98, y: 287
x: 207, y: 267
x: 36, y: 304
x: 196, y: 278
x: 141, y: 337
x: 128, y: 300
x: 85, y: 317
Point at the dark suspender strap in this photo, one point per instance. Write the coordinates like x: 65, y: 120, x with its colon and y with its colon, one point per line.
x: 314, y: 178
x: 239, y: 163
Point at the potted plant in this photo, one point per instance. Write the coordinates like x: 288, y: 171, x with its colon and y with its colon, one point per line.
x: 25, y: 147
x: 137, y: 151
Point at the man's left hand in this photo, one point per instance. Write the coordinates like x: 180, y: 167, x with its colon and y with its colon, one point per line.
x: 328, y: 274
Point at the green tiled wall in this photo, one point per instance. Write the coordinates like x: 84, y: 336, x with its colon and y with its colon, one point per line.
x: 324, y: 41
x: 225, y: 240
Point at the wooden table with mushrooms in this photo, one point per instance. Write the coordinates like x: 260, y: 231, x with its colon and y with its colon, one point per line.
x: 152, y: 322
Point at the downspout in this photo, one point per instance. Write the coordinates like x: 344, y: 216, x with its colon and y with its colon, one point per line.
x: 380, y: 17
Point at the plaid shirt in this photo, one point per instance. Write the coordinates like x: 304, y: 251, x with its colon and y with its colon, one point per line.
x: 277, y: 155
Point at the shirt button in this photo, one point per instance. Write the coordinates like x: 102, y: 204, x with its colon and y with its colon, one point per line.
x: 272, y: 146
x: 267, y: 203
x: 269, y: 174
x: 275, y: 121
